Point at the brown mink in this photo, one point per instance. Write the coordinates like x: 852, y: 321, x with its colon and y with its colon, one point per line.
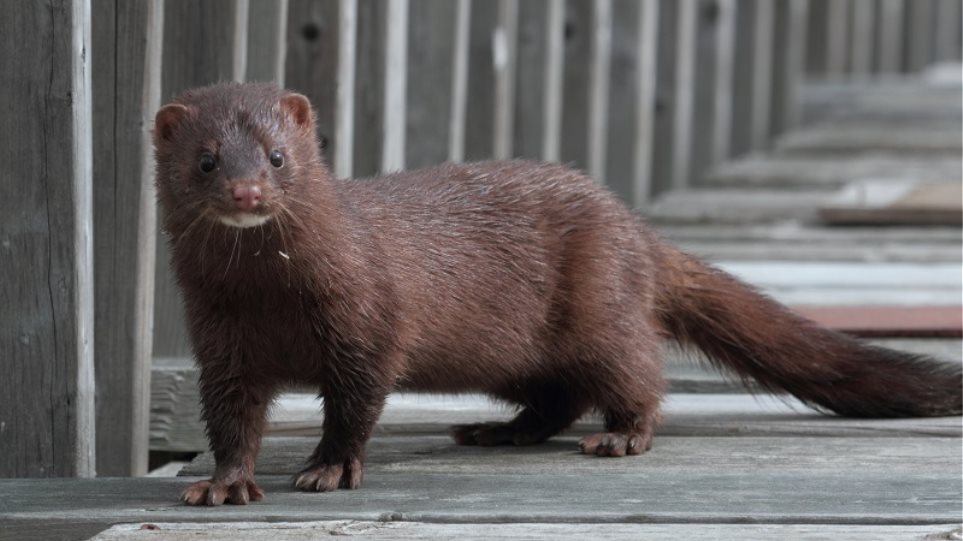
x: 525, y: 281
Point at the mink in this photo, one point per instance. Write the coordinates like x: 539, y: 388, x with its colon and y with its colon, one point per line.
x: 526, y: 281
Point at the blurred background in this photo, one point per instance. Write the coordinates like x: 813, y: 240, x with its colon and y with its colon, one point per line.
x: 812, y: 147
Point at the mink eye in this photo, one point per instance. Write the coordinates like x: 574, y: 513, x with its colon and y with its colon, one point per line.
x: 277, y: 159
x: 207, y: 163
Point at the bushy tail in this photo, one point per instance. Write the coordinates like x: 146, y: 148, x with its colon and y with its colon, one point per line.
x: 744, y: 331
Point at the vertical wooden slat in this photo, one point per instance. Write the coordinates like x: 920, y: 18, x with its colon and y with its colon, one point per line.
x: 459, y: 82
x: 553, y: 89
x: 199, y: 48
x: 647, y: 55
x: 241, y: 12
x: 431, y: 37
x: 531, y: 63
x: 369, y: 86
x: 684, y: 91
x: 479, y: 116
x: 790, y: 61
x: 396, y: 84
x: 666, y: 66
x: 504, y: 44
x: 890, y: 48
x: 837, y: 48
x: 861, y: 48
x: 46, y: 254
x: 126, y: 54
x: 266, y: 40
x: 947, y: 40
x: 599, y: 88
x: 763, y: 33
x: 344, y: 100
x: 920, y: 38
x: 725, y: 72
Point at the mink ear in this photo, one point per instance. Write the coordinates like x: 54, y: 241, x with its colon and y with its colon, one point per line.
x: 168, y: 118
x: 299, y: 108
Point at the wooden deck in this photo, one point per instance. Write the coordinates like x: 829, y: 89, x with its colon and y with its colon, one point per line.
x: 725, y: 465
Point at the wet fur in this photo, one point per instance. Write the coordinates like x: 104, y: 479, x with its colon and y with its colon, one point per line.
x: 525, y: 281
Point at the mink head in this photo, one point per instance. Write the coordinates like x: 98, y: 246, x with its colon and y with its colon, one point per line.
x: 234, y: 153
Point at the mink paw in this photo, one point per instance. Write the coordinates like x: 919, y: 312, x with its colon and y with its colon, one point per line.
x: 328, y: 477
x: 216, y: 492
x: 615, y: 444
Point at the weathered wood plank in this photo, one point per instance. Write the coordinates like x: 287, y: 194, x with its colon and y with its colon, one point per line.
x: 830, y: 171
x: 894, y: 493
x: 297, y: 531
x: 199, y: 48
x: 369, y: 87
x: 645, y: 102
x: 505, y: 60
x: 479, y: 118
x: 575, y: 96
x: 459, y: 82
x: 267, y: 32
x: 344, y: 95
x: 686, y: 49
x: 424, y: 454
x: 600, y: 67
x: 552, y: 91
x: 47, y: 313
x: 890, y: 37
x: 395, y: 105
x: 126, y: 64
x: 430, y: 68
x: 762, y: 74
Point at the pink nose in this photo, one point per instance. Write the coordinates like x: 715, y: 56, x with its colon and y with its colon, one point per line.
x: 247, y: 197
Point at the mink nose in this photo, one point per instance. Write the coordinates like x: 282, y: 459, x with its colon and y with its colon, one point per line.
x: 247, y: 197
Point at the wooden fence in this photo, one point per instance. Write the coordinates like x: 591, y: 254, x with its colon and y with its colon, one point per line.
x: 643, y: 94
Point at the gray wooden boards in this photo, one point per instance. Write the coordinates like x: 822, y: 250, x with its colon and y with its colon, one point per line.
x: 684, y: 480
x: 894, y: 202
x: 126, y: 92
x: 297, y: 531
x: 46, y: 244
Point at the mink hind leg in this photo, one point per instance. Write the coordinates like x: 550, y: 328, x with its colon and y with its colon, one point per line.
x: 628, y: 388
x: 547, y: 408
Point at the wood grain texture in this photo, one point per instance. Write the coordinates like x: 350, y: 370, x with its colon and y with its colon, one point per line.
x: 479, y: 117
x: 369, y: 87
x: 431, y: 40
x: 266, y: 40
x: 199, y: 49
x: 47, y: 312
x: 298, y: 531
x: 126, y: 78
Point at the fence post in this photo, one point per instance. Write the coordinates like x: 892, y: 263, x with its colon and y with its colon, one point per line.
x: 396, y: 86
x: 126, y: 64
x: 267, y: 40
x: 47, y: 314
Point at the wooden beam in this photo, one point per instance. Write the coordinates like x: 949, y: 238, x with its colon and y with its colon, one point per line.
x: 126, y: 63
x: 890, y: 52
x: 47, y: 414
x: 505, y: 45
x: 553, y: 88
x: 725, y: 72
x: 947, y: 39
x: 861, y: 35
x: 459, y: 82
x: 267, y: 40
x: 920, y: 38
x: 396, y: 82
x: 344, y: 101
x: 789, y: 65
x: 599, y: 70
x: 686, y: 52
x: 762, y: 75
x: 837, y: 43
x: 646, y: 85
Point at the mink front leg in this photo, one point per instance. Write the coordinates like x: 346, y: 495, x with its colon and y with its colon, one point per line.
x: 350, y: 413
x: 234, y: 410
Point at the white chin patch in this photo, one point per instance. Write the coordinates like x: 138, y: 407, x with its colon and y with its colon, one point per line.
x: 244, y: 219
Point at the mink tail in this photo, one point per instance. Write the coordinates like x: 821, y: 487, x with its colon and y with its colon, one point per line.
x: 744, y: 331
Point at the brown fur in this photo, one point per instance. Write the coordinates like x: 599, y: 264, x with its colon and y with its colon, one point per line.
x: 526, y: 281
